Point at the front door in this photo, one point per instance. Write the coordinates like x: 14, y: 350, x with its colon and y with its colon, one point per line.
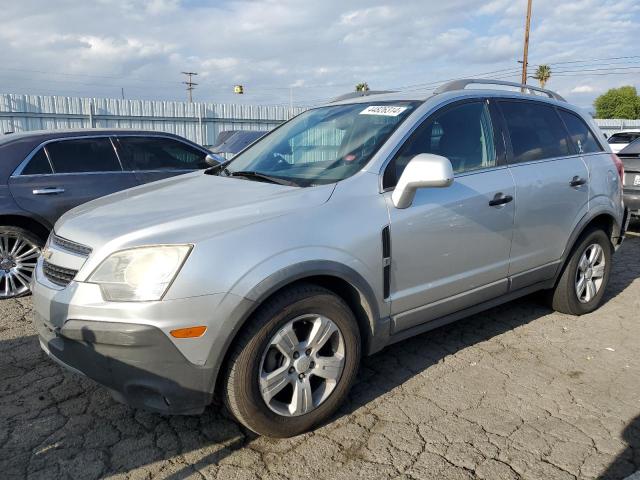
x: 450, y: 248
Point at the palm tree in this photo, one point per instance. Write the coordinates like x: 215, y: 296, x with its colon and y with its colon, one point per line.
x: 362, y: 87
x: 543, y: 74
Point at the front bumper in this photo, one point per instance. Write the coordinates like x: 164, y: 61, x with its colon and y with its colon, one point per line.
x: 138, y: 363
x: 127, y: 347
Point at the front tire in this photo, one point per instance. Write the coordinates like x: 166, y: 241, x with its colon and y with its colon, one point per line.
x: 294, y: 364
x: 19, y: 251
x: 585, y: 277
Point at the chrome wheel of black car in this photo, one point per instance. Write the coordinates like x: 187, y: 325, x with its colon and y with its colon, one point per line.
x: 18, y: 257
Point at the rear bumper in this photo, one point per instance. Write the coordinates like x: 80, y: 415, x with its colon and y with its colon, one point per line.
x: 632, y: 200
x: 138, y: 363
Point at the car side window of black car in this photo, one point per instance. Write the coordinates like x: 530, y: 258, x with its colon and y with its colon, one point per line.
x: 38, y: 165
x: 84, y: 155
x: 535, y: 130
x: 580, y: 134
x: 160, y: 154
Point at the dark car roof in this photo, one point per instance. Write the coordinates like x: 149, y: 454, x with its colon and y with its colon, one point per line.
x: 14, y: 147
x: 44, y: 135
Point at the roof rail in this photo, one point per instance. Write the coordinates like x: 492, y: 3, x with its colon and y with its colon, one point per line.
x: 462, y: 83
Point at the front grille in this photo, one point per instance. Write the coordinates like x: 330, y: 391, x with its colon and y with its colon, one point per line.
x: 70, y: 246
x: 58, y: 275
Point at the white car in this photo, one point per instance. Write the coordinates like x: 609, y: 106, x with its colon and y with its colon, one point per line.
x: 621, y: 139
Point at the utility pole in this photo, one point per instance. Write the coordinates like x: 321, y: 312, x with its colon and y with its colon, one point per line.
x: 190, y: 84
x: 526, y: 44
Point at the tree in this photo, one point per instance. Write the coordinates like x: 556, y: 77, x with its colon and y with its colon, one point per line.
x: 620, y: 102
x: 362, y: 87
x: 543, y: 74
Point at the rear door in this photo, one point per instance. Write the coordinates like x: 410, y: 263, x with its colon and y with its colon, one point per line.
x: 68, y: 172
x: 154, y: 158
x: 552, y: 188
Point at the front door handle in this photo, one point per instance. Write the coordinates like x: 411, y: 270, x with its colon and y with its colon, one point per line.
x: 577, y: 181
x: 500, y: 199
x: 48, y: 191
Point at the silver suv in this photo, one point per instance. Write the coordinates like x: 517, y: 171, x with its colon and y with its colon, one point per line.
x: 352, y: 226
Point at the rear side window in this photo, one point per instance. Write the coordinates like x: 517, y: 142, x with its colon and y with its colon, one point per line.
x: 156, y: 153
x: 580, y: 134
x: 38, y: 165
x: 626, y: 137
x: 535, y: 130
x: 83, y: 156
x: 462, y: 133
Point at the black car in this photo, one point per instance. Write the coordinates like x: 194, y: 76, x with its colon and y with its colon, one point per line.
x: 45, y: 173
x: 630, y: 156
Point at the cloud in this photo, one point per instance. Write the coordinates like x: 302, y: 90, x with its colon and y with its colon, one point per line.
x: 582, y: 89
x: 322, y: 49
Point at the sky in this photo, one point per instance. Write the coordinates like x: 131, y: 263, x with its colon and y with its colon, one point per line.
x: 306, y: 52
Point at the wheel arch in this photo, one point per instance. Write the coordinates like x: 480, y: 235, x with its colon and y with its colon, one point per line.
x: 337, y: 278
x: 602, y: 219
x: 34, y: 226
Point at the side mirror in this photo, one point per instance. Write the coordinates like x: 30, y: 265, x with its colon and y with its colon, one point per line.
x: 425, y: 170
x: 213, y: 159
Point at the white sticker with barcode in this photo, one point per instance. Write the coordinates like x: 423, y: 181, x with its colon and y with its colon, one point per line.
x: 386, y: 110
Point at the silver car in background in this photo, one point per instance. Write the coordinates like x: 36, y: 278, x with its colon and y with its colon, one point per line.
x: 352, y: 226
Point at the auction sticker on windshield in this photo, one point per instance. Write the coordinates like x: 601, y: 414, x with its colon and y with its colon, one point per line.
x: 386, y: 110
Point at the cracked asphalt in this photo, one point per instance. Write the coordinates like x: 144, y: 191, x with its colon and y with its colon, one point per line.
x: 516, y: 392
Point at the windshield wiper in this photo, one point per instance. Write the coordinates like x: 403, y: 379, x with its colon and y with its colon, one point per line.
x: 262, y: 176
x: 217, y: 169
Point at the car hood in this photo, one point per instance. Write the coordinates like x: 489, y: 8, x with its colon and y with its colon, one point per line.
x: 183, y: 209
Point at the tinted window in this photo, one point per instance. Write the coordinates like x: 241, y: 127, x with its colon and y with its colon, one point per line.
x: 161, y: 154
x: 83, y: 155
x: 536, y: 131
x: 38, y: 165
x: 623, y: 137
x: 462, y: 133
x: 581, y: 136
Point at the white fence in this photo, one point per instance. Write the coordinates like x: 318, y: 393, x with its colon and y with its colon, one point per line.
x: 199, y: 122
x: 613, y: 125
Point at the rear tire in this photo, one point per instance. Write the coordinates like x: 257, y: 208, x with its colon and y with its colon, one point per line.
x: 307, y: 339
x: 584, y: 279
x: 19, y: 251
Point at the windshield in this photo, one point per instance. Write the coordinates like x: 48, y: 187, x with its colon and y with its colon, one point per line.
x: 323, y: 145
x: 624, y: 137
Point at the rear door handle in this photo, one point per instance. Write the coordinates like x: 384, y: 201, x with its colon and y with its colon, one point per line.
x: 577, y: 181
x: 48, y: 191
x: 500, y: 199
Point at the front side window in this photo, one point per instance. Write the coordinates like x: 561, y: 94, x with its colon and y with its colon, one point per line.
x: 83, y: 156
x: 38, y: 165
x: 581, y: 136
x: 323, y: 145
x: 535, y: 130
x: 157, y: 153
x: 462, y: 133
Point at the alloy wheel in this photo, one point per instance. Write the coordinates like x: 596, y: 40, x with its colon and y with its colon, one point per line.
x: 18, y: 257
x: 301, y: 365
x: 590, y: 273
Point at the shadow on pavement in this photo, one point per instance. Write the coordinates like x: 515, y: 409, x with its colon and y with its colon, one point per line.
x: 628, y: 461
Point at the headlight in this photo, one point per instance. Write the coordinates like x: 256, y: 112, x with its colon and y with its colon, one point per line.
x: 139, y: 274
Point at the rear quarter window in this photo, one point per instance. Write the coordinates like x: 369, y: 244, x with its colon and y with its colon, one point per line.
x: 580, y: 134
x: 38, y: 165
x: 535, y: 130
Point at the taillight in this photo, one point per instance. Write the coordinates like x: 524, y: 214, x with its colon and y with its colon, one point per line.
x: 619, y: 166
